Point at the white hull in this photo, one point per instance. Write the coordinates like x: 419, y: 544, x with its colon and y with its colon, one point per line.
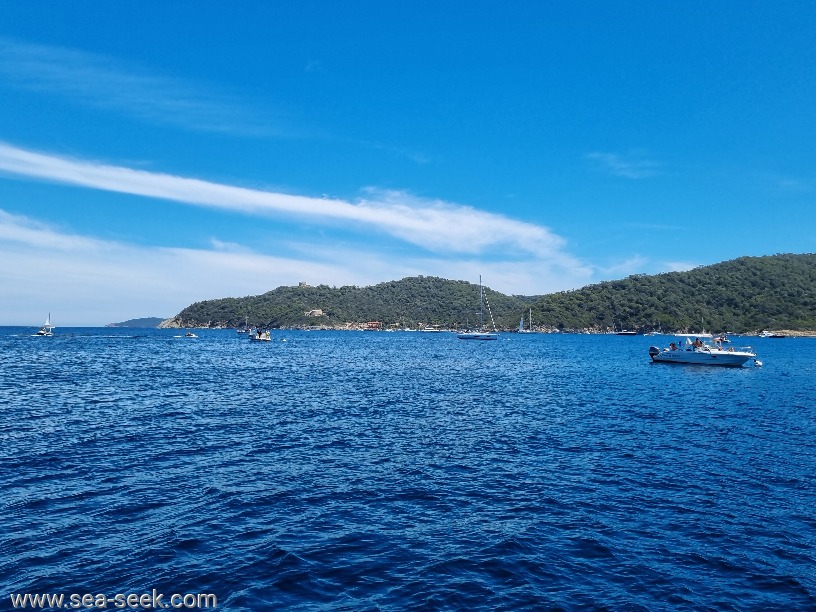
x: 477, y: 336
x: 703, y: 356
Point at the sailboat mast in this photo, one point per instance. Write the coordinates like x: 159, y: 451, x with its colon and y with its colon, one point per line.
x: 481, y: 304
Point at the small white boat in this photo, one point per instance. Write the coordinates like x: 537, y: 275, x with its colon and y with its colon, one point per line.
x: 47, y: 329
x: 260, y: 336
x: 767, y: 334
x: 697, y: 352
x: 188, y: 334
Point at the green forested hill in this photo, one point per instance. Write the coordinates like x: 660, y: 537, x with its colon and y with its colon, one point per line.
x: 412, y: 302
x: 742, y: 295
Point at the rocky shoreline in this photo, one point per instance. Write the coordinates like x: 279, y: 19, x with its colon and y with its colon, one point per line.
x: 176, y: 323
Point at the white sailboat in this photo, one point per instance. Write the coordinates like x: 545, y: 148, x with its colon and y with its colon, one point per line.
x: 481, y: 334
x: 529, y: 324
x: 47, y: 329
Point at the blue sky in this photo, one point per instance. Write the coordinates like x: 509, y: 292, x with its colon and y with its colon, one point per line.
x: 157, y: 154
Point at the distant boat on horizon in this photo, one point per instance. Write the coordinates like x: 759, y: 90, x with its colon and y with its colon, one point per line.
x: 47, y: 329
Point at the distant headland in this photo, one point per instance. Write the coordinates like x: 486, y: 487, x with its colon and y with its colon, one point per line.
x: 143, y: 322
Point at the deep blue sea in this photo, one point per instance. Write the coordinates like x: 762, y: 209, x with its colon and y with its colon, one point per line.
x: 406, y: 471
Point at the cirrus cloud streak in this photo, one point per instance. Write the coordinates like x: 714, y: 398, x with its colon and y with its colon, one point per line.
x: 100, y: 82
x: 434, y: 225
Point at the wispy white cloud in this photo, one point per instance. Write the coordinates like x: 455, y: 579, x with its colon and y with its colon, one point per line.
x: 100, y: 82
x: 627, y: 166
x: 228, y: 247
x: 678, y: 266
x: 313, y: 66
x: 788, y: 184
x: 632, y: 265
x: 638, y: 264
x: 434, y: 225
x: 87, y: 281
x: 25, y: 231
x: 415, y: 156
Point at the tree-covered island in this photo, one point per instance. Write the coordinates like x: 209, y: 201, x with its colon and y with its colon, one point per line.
x: 744, y: 295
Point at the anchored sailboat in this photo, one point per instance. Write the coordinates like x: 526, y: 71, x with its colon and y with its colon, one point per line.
x: 47, y: 329
x: 529, y: 324
x: 481, y: 334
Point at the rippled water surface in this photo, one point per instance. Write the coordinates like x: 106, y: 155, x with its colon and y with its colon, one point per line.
x: 399, y: 471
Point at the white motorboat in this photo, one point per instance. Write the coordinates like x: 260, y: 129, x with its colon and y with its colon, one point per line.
x: 260, y: 336
x: 480, y: 334
x: 188, y: 334
x: 47, y: 329
x: 688, y: 351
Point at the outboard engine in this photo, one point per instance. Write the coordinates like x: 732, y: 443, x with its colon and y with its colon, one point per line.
x: 653, y: 352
